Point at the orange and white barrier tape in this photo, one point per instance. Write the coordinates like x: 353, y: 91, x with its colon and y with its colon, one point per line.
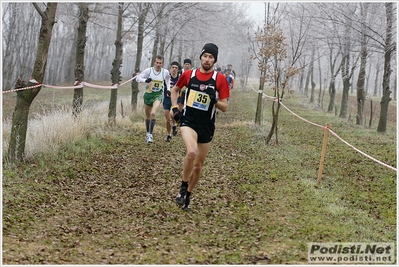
x: 20, y: 89
x: 64, y: 87
x: 323, y: 127
x: 76, y: 86
x: 114, y: 86
x: 364, y: 154
x: 128, y: 81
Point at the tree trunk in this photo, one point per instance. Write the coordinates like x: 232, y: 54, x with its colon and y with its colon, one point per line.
x: 77, y: 101
x: 156, y: 44
x: 171, y: 50
x: 116, y: 66
x: 395, y: 84
x: 333, y: 73
x: 377, y: 74
x: 180, y: 51
x: 162, y: 46
x: 258, y: 113
x: 360, y: 94
x: 371, y: 113
x: 345, y: 97
x: 25, y: 98
x: 367, y: 81
x: 274, y: 128
x: 319, y: 98
x: 144, y: 7
x: 306, y: 89
x: 312, y: 83
x: 382, y: 123
x: 301, y: 78
x: 346, y: 77
x: 9, y: 53
x: 331, y: 92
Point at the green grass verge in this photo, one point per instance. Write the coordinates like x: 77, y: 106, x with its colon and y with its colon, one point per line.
x: 109, y: 198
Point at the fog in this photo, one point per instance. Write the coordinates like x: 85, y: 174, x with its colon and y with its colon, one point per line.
x: 178, y: 30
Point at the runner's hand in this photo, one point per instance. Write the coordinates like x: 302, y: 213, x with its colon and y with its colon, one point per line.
x: 212, y: 94
x: 148, y: 80
x: 176, y: 114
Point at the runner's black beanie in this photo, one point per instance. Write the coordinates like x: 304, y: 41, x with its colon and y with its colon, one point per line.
x: 187, y: 60
x: 211, y: 49
x: 175, y: 63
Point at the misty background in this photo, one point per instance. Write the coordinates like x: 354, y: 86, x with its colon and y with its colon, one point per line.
x: 178, y: 30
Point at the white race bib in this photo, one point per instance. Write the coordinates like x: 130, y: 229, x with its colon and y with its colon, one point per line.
x: 198, y: 100
x: 155, y: 86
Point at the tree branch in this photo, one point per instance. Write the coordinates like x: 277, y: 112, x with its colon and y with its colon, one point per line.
x: 42, y: 14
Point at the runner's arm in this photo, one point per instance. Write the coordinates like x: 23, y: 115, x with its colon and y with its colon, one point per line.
x: 143, y: 76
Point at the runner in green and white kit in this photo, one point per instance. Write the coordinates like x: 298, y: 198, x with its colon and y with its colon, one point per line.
x: 157, y: 78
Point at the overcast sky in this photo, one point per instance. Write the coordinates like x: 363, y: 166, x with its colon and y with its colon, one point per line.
x: 257, y: 9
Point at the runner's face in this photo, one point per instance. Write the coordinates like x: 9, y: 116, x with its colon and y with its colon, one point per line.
x: 187, y: 66
x: 173, y: 70
x: 207, y: 61
x: 158, y: 64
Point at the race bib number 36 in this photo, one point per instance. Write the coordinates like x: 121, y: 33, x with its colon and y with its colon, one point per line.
x: 198, y: 100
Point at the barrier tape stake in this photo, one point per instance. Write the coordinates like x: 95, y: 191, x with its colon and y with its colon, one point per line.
x: 323, y: 152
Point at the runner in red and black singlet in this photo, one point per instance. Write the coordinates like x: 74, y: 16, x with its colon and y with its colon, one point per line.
x: 207, y: 90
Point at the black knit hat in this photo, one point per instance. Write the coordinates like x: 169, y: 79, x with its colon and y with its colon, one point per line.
x: 175, y: 63
x: 211, y: 49
x: 187, y: 60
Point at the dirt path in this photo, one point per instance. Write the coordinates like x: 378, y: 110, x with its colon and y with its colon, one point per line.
x: 114, y: 203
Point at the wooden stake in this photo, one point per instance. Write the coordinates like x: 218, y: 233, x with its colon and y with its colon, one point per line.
x: 323, y: 152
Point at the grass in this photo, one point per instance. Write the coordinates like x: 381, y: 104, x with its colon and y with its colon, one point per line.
x: 108, y: 198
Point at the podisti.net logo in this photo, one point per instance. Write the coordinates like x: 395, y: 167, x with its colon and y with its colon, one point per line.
x: 340, y: 252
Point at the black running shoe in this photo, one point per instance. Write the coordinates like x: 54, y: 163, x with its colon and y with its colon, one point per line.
x: 187, y: 203
x: 180, y: 199
x: 174, y: 130
x: 168, y: 138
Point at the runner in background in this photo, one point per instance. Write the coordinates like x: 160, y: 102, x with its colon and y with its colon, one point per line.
x: 167, y: 104
x: 233, y: 74
x: 156, y: 78
x: 186, y: 66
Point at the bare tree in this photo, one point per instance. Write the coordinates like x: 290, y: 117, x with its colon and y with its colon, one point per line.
x: 80, y: 53
x: 349, y: 62
x: 61, y: 56
x: 311, y: 74
x: 329, y: 33
x: 280, y: 74
x: 377, y: 75
x: 360, y: 92
x: 99, y: 51
x: 263, y: 58
x: 116, y: 65
x: 18, y: 60
x: 389, y: 49
x: 25, y: 97
x: 143, y: 9
x: 321, y: 91
x: 262, y: 53
x: 277, y: 70
x: 333, y: 75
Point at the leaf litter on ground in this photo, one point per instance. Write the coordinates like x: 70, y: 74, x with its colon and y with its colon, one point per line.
x: 254, y: 204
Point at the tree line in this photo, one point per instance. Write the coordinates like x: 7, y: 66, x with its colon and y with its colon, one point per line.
x: 296, y: 39
x: 61, y: 43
